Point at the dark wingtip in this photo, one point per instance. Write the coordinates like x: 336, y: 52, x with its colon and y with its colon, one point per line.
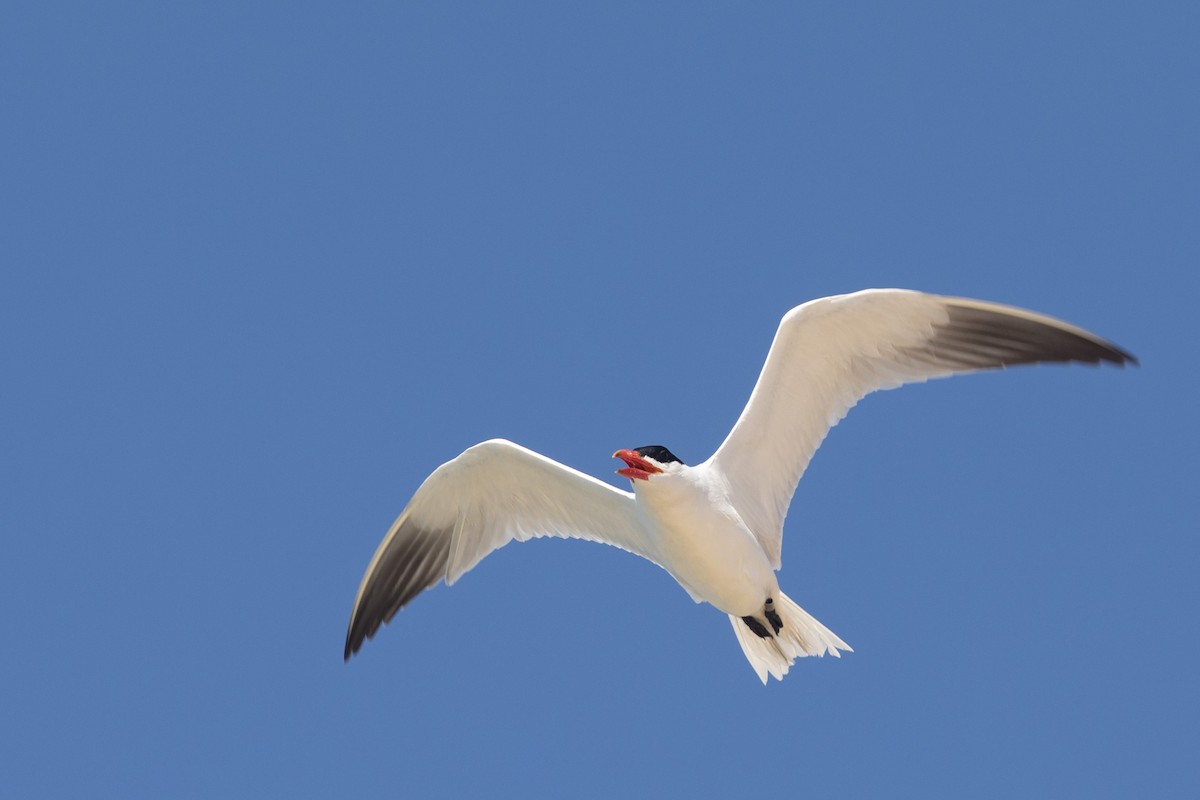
x: 355, y: 636
x: 409, y: 565
x: 1116, y: 355
x: 981, y: 336
x: 1127, y: 358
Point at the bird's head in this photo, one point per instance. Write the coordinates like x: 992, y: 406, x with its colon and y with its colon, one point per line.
x: 645, y: 461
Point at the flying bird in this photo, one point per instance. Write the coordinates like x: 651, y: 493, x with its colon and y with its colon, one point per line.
x: 717, y: 526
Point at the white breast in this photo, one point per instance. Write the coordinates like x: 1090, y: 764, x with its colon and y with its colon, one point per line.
x: 703, y: 542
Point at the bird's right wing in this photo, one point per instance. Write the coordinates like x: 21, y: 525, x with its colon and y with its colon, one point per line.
x: 830, y: 353
x: 493, y: 493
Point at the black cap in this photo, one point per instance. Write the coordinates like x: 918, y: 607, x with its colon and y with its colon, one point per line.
x: 659, y: 453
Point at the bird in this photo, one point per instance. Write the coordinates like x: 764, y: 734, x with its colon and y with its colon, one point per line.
x: 716, y: 526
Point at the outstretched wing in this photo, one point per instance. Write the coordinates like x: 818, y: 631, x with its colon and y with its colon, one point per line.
x: 830, y: 353
x: 483, y: 499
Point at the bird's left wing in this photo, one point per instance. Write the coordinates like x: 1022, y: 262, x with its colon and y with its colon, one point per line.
x: 829, y: 353
x: 493, y: 493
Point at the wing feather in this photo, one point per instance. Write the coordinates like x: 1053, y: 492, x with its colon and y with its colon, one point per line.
x: 830, y: 353
x: 493, y: 493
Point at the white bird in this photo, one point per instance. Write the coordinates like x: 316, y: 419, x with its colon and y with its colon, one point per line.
x: 717, y: 527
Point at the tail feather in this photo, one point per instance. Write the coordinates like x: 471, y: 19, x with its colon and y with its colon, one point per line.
x: 801, y: 635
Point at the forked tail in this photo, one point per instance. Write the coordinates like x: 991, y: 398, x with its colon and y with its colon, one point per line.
x: 784, y: 633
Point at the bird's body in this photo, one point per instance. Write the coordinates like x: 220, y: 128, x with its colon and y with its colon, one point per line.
x: 696, y: 530
x: 716, y: 527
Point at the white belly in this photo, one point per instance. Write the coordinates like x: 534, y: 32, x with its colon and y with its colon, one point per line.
x: 707, y: 548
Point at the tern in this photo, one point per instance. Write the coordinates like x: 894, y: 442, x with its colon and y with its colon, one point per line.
x: 717, y: 526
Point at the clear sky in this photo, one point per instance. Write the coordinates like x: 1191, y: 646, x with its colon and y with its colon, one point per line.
x: 266, y: 265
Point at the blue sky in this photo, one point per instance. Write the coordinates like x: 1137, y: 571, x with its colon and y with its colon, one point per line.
x: 266, y: 266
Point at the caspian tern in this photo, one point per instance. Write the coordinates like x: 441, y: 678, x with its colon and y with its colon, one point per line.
x: 716, y: 527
